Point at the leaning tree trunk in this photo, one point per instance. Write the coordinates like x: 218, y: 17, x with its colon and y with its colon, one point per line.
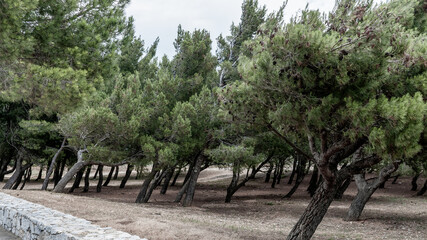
x: 395, y: 179
x: 39, y: 176
x: 145, y: 186
x: 15, y: 175
x: 176, y: 176
x: 70, y: 174
x: 77, y: 181
x: 22, y: 173
x: 365, y: 189
x: 268, y: 174
x: 282, y: 165
x: 314, y: 213
x: 110, y: 175
x: 101, y: 176
x: 116, y: 173
x: 189, y: 195
x: 341, y: 190
x: 312, y: 186
x: 52, y: 165
x: 153, y: 185
x: 423, y: 189
x: 87, y: 175
x: 294, y: 167
x: 168, y: 178
x: 300, y: 177
x: 234, y: 180
x: 127, y: 175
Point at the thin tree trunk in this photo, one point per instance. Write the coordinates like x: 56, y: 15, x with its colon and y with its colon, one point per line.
x: 181, y: 192
x: 168, y: 178
x: 300, y: 177
x: 87, y: 175
x: 39, y: 176
x: 77, y: 181
x: 282, y: 165
x: 116, y: 173
x: 190, y: 170
x: 275, y: 173
x: 365, y: 189
x: 176, y: 176
x: 15, y: 175
x: 52, y: 165
x: 414, y: 182
x: 127, y: 175
x: 145, y: 186
x: 294, y: 167
x: 21, y: 175
x: 100, y: 179
x: 26, y: 178
x: 61, y: 172
x: 423, y: 189
x: 233, y: 183
x: 110, y: 175
x: 268, y: 174
x: 153, y: 185
x: 395, y: 179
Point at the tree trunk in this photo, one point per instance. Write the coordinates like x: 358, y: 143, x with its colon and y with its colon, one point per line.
x: 365, y: 189
x: 414, y: 182
x: 70, y: 174
x: 16, y: 174
x: 233, y: 183
x: 145, y: 186
x: 77, y: 181
x: 116, y: 173
x: 300, y: 176
x: 189, y: 195
x: 110, y: 175
x: 101, y: 176
x: 153, y: 185
x: 22, y: 173
x: 275, y: 175
x: 294, y: 166
x: 341, y: 190
x: 39, y: 176
x: 181, y: 192
x: 168, y: 178
x: 282, y: 165
x: 423, y: 189
x: 127, y: 175
x: 26, y: 178
x: 61, y: 171
x: 268, y: 174
x: 176, y: 176
x: 87, y: 175
x: 395, y: 179
x: 190, y: 170
x: 52, y: 165
x: 312, y: 186
x: 314, y: 213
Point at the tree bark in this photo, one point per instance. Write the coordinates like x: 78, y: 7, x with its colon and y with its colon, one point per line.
x: 52, y: 165
x: 268, y: 174
x: 87, y: 175
x: 116, y: 173
x: 365, y: 189
x: 423, y: 189
x: 110, y: 175
x: 168, y: 178
x: 300, y: 176
x: 189, y: 195
x: 15, y: 175
x: 341, y: 190
x: 70, y: 174
x: 145, y: 186
x: 176, y: 176
x: 414, y: 182
x: 275, y: 175
x: 100, y: 179
x: 127, y: 175
x: 294, y: 166
x: 22, y: 173
x: 77, y: 181
x: 312, y: 186
x: 395, y: 179
x: 282, y: 165
x: 39, y: 176
x: 181, y: 192
x: 27, y: 177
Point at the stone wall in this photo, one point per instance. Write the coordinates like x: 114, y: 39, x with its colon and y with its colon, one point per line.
x: 33, y: 221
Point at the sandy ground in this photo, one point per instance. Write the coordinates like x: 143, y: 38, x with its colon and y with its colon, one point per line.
x: 256, y: 212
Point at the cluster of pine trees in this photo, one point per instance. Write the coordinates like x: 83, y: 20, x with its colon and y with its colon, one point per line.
x: 344, y: 93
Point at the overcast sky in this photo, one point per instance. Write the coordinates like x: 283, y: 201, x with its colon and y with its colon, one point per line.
x: 160, y: 18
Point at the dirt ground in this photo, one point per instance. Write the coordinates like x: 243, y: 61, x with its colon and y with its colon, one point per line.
x: 256, y: 212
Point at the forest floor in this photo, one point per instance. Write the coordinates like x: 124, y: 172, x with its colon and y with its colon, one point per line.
x: 256, y: 211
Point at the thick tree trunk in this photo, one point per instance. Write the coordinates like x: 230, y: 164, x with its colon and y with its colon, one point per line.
x: 365, y: 189
x: 116, y: 173
x: 145, y: 186
x: 314, y: 213
x: 52, y: 165
x: 59, y: 188
x: 101, y: 176
x: 189, y: 195
x: 414, y: 182
x: 181, y: 192
x: 176, y: 176
x: 168, y: 178
x: 127, y: 175
x: 312, y: 186
x: 110, y: 175
x: 87, y: 175
x: 294, y: 167
x: 233, y: 185
x: 77, y: 181
x: 189, y: 172
x: 423, y: 189
x: 341, y: 190
x: 15, y: 175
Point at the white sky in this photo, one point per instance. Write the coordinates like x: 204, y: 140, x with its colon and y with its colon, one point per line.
x: 160, y: 18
